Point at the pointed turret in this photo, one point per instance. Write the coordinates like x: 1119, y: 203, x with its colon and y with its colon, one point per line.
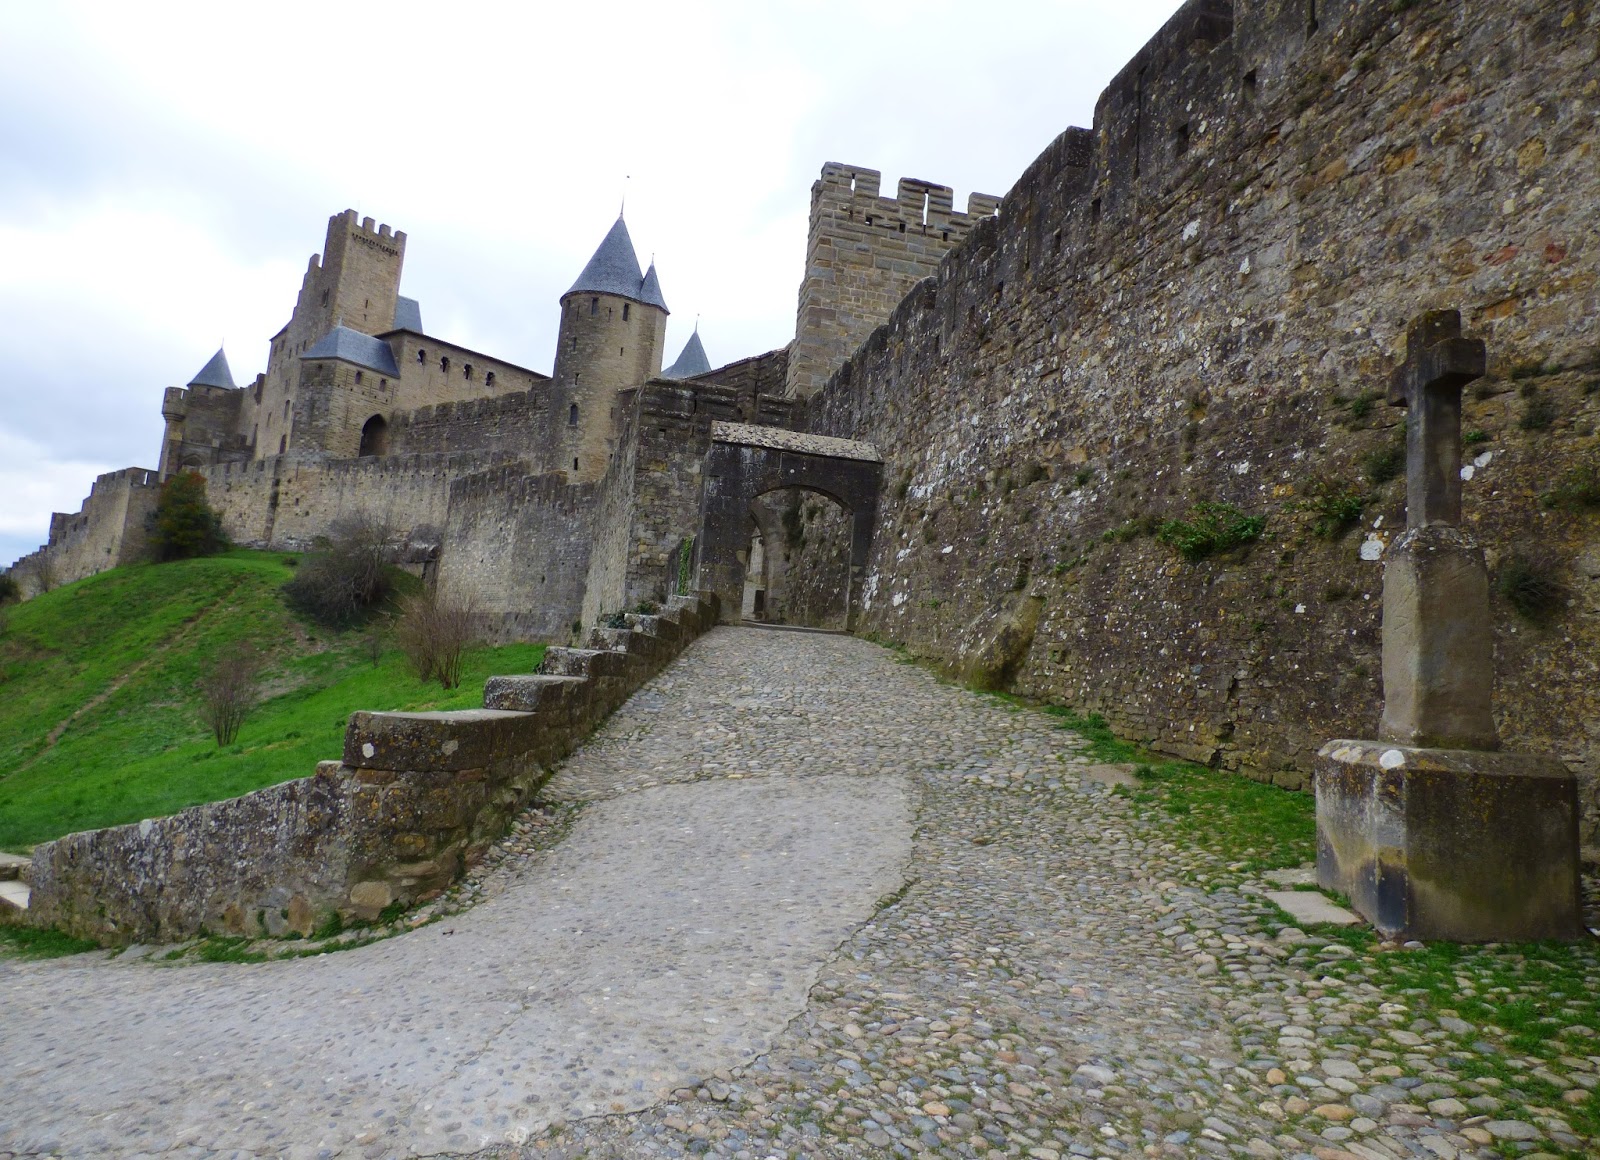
x: 613, y: 323
x: 614, y: 270
x: 691, y: 362
x: 215, y: 373
x: 650, y: 290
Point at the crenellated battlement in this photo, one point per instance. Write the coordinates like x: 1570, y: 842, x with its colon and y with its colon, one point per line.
x: 864, y: 252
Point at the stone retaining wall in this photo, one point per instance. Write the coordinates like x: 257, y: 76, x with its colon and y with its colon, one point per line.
x: 417, y: 798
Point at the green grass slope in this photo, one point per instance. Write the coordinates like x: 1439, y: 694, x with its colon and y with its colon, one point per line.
x: 99, y: 721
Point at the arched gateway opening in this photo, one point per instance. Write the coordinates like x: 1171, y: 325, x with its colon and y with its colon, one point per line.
x: 808, y: 502
x: 798, y: 565
x: 374, y: 436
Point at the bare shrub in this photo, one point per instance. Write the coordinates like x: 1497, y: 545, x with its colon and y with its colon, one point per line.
x: 44, y: 573
x: 434, y: 637
x: 230, y: 689
x: 345, y: 576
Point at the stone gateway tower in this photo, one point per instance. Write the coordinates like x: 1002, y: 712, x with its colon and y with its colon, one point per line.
x: 613, y: 327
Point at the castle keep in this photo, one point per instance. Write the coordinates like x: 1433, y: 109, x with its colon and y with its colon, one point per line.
x: 985, y: 417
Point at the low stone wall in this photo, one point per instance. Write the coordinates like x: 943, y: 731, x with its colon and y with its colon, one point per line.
x: 417, y: 798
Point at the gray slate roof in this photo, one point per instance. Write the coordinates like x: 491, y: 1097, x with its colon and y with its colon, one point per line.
x: 408, y: 315
x: 614, y: 270
x: 354, y: 347
x: 691, y: 362
x: 215, y: 373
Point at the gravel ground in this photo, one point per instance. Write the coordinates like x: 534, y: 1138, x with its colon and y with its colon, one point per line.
x: 1028, y: 965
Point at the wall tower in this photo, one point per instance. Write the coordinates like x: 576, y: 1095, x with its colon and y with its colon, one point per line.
x: 863, y: 255
x: 613, y: 324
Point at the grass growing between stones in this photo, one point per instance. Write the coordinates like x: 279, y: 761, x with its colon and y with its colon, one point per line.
x: 99, y: 721
x: 27, y: 943
x: 1253, y: 827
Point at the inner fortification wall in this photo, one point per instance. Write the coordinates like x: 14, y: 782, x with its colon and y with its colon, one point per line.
x: 108, y: 530
x: 1199, y: 302
x: 514, y: 423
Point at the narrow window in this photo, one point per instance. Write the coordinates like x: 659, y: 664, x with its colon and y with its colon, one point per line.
x: 488, y: 379
x: 383, y: 384
x: 574, y: 342
x: 255, y: 429
x: 869, y: 219
x: 324, y: 297
x: 286, y: 403
x: 283, y: 444
x: 944, y: 235
x: 620, y: 350
x: 422, y: 356
x: 358, y: 376
x: 625, y: 307
x: 572, y: 415
x: 902, y: 227
x: 574, y: 463
x: 444, y: 363
x: 594, y: 306
x: 466, y: 371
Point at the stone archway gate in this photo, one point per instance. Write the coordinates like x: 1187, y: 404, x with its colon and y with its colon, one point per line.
x: 746, y: 461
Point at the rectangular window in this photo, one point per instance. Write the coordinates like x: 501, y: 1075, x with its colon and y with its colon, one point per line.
x: 625, y: 306
x: 594, y: 306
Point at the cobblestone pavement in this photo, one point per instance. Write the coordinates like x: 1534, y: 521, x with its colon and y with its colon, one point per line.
x: 1045, y: 973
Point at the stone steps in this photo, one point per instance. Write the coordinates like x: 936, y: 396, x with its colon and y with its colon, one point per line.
x: 14, y: 867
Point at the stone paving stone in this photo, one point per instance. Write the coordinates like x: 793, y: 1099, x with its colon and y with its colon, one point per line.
x: 1306, y: 906
x: 923, y: 926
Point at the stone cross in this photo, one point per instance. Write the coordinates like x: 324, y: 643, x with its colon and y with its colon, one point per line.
x: 1438, y: 650
x: 1439, y: 362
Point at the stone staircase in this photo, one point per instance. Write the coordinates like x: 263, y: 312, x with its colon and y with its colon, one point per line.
x: 15, y: 872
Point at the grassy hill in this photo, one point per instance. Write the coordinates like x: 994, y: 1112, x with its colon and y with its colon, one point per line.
x: 99, y: 720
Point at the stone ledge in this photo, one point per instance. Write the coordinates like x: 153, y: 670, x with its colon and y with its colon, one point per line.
x: 463, y: 739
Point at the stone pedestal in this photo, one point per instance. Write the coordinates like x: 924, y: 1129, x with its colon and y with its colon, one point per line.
x: 1438, y: 642
x: 1450, y: 844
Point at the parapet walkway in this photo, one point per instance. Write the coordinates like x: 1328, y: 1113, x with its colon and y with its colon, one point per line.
x: 815, y: 904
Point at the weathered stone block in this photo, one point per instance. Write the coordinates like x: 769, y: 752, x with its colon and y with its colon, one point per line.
x: 532, y: 692
x: 1438, y: 642
x: 463, y: 739
x: 1462, y: 845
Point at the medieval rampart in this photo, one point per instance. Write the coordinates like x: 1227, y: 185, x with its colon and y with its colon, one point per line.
x: 108, y: 530
x: 1199, y: 303
x: 863, y: 252
x: 516, y: 422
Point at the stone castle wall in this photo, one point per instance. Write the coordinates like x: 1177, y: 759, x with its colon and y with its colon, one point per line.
x: 516, y: 422
x: 289, y: 500
x: 108, y: 530
x: 1200, y: 302
x: 516, y: 551
x: 863, y: 253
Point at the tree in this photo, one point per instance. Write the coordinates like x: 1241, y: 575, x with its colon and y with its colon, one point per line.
x: 346, y: 576
x: 184, y: 524
x: 434, y: 636
x: 230, y: 689
x: 10, y: 590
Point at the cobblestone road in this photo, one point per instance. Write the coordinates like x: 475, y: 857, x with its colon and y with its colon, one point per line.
x: 919, y: 927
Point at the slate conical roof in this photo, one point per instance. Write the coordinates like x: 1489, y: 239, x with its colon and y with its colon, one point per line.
x: 215, y: 373
x: 614, y: 269
x: 691, y: 362
x: 650, y: 290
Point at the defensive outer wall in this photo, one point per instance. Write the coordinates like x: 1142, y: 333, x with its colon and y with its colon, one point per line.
x: 1200, y: 301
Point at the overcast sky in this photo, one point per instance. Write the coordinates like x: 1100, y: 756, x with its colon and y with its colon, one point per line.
x: 166, y: 171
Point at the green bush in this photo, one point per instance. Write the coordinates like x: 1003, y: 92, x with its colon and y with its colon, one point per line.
x: 184, y: 525
x: 1579, y: 487
x: 1384, y: 463
x: 1530, y: 585
x: 1214, y: 527
x: 346, y: 577
x: 1538, y: 409
x: 1336, y: 507
x: 10, y: 590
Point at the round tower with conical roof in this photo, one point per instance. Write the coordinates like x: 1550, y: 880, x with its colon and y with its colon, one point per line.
x: 613, y: 323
